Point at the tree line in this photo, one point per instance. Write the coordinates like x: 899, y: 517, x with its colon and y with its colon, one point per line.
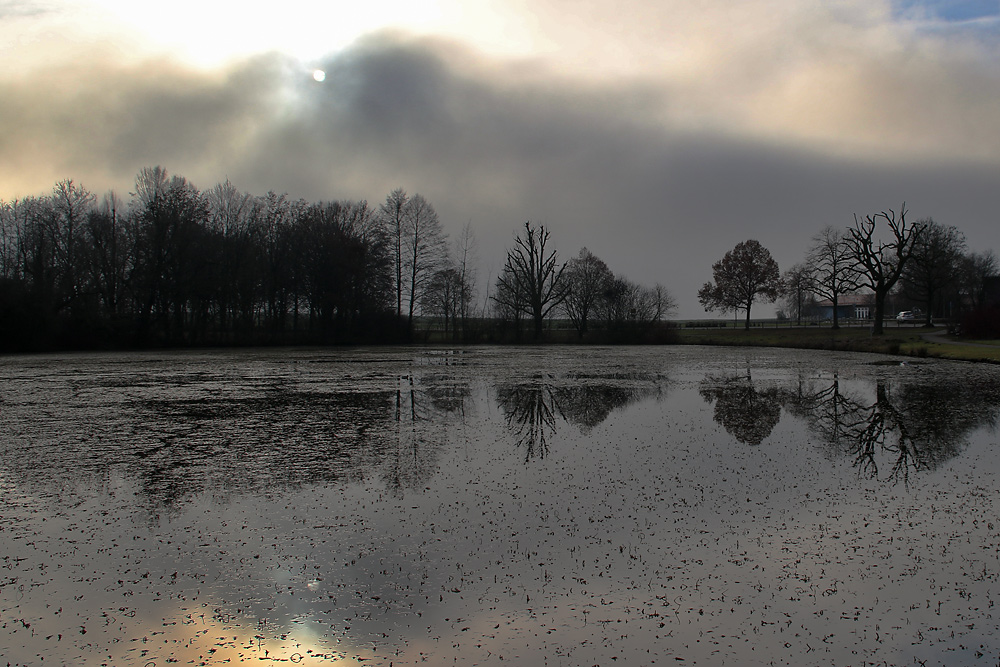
x: 177, y: 266
x: 923, y: 263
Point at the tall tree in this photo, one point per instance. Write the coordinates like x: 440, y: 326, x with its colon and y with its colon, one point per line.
x: 276, y: 220
x: 976, y: 267
x: 834, y: 267
x: 532, y: 278
x: 426, y: 250
x: 170, y: 254
x: 110, y: 259
x: 629, y: 310
x: 236, y: 223
x: 588, y: 277
x: 881, y: 263
x: 797, y: 287
x: 443, y: 298
x: 393, y: 213
x: 71, y: 205
x: 509, y: 305
x: 345, y: 269
x: 935, y: 265
x: 464, y: 250
x: 417, y: 245
x: 746, y: 274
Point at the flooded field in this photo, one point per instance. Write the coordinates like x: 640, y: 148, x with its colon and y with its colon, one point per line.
x: 543, y: 506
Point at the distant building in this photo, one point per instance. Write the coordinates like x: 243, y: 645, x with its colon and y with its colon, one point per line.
x: 849, y: 307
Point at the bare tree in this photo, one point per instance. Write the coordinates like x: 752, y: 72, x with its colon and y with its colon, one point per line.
x: 745, y: 274
x: 71, y: 204
x: 834, y: 267
x: 465, y: 249
x: 237, y: 220
x: 630, y: 310
x: 417, y: 245
x: 508, y: 304
x: 797, y: 289
x: 393, y: 214
x: 935, y: 265
x: 881, y: 263
x: 588, y: 278
x: 425, y: 252
x: 110, y: 259
x: 150, y: 184
x: 976, y: 267
x: 532, y: 278
x: 231, y: 210
x: 443, y: 298
x: 276, y: 256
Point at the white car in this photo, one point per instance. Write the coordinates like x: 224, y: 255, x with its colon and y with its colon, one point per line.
x: 905, y: 316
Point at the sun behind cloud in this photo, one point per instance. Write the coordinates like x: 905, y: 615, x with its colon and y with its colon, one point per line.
x: 209, y: 33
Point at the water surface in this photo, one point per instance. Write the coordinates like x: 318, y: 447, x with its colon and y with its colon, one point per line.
x: 559, y: 505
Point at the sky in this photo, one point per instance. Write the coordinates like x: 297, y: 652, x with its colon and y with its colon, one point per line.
x: 656, y: 134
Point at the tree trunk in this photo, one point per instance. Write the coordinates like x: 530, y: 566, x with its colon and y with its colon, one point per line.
x: 879, y: 312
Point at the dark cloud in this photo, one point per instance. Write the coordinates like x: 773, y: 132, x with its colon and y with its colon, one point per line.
x: 99, y: 122
x: 493, y: 143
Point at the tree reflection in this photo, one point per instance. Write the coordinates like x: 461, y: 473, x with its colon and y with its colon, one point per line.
x: 258, y: 444
x: 533, y: 407
x: 530, y: 411
x: 911, y: 425
x: 253, y: 438
x: 283, y: 438
x: 747, y: 414
x: 420, y: 411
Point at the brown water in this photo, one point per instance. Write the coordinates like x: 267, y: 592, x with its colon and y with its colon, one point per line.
x: 560, y: 506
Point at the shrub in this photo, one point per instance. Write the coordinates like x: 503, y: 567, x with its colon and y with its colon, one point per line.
x: 981, y: 323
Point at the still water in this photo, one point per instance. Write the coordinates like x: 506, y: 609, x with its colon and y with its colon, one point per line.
x: 547, y: 506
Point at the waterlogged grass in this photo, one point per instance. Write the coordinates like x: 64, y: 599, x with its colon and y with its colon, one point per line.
x: 908, y: 341
x: 539, y: 505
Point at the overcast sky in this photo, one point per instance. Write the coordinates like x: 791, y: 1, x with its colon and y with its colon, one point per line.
x: 657, y: 134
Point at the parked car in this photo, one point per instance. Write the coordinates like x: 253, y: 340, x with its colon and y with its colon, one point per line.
x: 905, y: 316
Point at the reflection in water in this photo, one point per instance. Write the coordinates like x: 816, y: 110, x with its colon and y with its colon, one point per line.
x: 532, y: 407
x: 200, y: 434
x: 353, y: 506
x: 747, y: 414
x: 913, y: 424
x: 421, y: 410
x: 280, y: 439
x: 531, y: 413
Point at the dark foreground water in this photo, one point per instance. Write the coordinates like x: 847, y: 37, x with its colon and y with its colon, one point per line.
x: 556, y: 506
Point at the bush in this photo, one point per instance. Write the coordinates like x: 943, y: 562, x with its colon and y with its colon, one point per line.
x: 981, y: 323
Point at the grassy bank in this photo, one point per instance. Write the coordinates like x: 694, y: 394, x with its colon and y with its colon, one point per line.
x: 901, y: 341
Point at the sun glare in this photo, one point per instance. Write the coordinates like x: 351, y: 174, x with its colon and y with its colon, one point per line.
x: 319, y: 75
x: 302, y: 29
